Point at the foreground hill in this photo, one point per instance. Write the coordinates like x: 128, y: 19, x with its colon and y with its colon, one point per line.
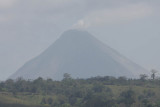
x: 81, y: 55
x: 93, y: 92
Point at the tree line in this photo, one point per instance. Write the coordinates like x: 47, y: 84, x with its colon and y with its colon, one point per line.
x: 97, y: 91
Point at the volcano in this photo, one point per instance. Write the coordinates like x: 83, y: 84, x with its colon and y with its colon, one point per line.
x: 80, y: 54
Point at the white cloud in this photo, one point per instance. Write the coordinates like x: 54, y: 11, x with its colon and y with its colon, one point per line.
x: 114, y: 15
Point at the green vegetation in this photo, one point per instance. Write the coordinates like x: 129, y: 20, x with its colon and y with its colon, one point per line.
x: 93, y: 92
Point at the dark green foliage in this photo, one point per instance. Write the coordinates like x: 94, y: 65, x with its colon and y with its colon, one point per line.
x: 50, y: 101
x: 98, y: 100
x: 17, y: 105
x: 43, y: 101
x: 127, y: 97
x: 93, y: 92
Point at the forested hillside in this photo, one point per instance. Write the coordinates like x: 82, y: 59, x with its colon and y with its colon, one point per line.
x: 93, y: 92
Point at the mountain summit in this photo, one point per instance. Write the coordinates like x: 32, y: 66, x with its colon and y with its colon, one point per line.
x: 81, y: 55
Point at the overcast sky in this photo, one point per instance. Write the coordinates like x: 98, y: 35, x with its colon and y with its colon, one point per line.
x: 28, y: 27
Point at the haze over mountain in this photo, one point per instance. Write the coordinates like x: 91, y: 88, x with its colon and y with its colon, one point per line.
x: 80, y: 54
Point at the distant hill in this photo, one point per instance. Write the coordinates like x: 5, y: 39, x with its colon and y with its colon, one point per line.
x: 80, y: 54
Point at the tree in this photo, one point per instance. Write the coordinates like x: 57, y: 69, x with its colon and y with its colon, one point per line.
x: 98, y: 87
x: 43, y: 101
x: 66, y: 105
x: 127, y: 97
x: 153, y: 73
x: 99, y: 100
x: 67, y: 76
x: 143, y: 77
x: 50, y: 101
x: 122, y: 80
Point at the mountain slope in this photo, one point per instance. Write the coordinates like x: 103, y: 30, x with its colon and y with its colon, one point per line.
x: 81, y: 55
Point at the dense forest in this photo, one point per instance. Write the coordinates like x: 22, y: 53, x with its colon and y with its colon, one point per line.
x: 97, y: 91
